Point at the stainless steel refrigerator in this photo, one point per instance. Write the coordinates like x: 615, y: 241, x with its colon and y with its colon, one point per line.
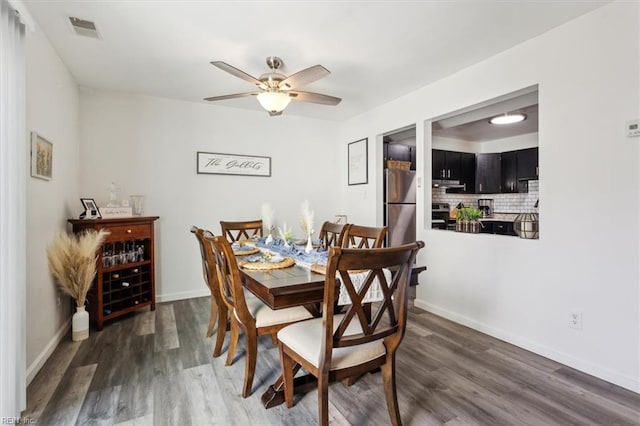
x: 400, y: 206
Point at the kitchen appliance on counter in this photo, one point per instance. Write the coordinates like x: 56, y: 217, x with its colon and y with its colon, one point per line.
x: 439, y: 215
x: 485, y: 205
x: 400, y: 206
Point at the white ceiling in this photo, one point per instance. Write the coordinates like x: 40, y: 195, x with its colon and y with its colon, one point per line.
x: 376, y: 50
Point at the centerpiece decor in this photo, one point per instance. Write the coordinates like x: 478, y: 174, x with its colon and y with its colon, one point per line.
x: 72, y: 262
x: 285, y: 234
x: 306, y: 223
x: 467, y: 220
x: 267, y: 221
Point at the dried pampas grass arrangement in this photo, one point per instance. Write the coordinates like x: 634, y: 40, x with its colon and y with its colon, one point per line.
x: 72, y: 262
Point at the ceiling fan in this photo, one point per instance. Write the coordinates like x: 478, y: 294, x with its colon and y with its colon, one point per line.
x: 276, y: 89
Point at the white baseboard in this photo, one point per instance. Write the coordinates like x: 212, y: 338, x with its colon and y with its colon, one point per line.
x: 37, y: 364
x: 169, y: 297
x: 604, y: 373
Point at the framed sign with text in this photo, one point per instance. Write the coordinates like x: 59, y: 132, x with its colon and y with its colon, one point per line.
x: 231, y: 164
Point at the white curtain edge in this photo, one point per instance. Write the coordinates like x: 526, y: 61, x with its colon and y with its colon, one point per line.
x: 23, y: 12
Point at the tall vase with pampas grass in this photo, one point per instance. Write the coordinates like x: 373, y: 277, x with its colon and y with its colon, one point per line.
x: 72, y: 262
x: 306, y: 223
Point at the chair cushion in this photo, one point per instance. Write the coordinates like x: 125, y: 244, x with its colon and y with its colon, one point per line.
x: 305, y: 339
x: 265, y: 316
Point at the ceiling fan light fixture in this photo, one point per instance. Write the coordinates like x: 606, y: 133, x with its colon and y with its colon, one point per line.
x: 508, y: 118
x: 274, y: 101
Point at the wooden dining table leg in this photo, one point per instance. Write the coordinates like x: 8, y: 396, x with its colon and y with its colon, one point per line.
x: 274, y: 394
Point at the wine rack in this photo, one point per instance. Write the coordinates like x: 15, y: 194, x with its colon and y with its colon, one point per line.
x: 125, y: 267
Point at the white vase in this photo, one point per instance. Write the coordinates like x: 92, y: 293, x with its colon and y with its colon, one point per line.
x: 80, y: 324
x: 309, y: 247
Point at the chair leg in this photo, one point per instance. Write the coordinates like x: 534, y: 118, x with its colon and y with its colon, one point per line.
x: 223, y: 321
x: 287, y: 375
x: 250, y: 361
x: 274, y: 339
x: 233, y: 339
x: 389, y: 382
x: 323, y: 399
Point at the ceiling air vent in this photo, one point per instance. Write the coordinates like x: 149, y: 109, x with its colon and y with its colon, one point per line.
x: 84, y: 28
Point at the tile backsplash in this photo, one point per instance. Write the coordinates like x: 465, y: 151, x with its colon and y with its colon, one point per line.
x: 502, y: 203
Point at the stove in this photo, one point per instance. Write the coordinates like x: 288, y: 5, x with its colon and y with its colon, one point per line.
x: 439, y: 215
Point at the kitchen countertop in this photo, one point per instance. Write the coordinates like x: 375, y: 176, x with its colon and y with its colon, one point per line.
x: 501, y: 217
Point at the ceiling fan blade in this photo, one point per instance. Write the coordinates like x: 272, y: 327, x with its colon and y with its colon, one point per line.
x: 233, y: 96
x: 306, y: 76
x: 238, y: 73
x: 316, y: 98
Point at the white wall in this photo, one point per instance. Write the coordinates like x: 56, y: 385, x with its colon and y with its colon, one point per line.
x: 519, y: 290
x: 148, y: 146
x: 52, y: 111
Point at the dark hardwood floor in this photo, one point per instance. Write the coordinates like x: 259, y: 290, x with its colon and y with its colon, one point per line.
x: 156, y: 368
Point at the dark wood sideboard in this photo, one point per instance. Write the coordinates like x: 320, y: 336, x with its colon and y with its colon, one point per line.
x: 125, y: 278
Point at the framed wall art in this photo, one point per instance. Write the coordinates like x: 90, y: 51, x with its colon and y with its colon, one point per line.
x: 41, y: 157
x: 357, y: 162
x: 231, y: 164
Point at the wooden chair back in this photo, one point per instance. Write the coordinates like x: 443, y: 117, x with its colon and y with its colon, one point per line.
x: 231, y: 290
x: 395, y: 292
x: 241, y: 230
x: 331, y: 234
x: 218, y: 309
x: 356, y: 236
x: 209, y: 274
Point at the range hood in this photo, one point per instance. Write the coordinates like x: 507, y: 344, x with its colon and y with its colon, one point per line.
x: 448, y: 184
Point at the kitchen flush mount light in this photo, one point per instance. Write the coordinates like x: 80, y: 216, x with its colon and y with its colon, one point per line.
x: 274, y: 101
x: 508, y: 118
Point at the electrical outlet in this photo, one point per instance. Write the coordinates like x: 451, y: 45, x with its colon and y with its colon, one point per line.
x: 575, y: 320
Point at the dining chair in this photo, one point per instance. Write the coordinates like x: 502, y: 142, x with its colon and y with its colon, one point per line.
x: 241, y: 230
x: 219, y: 311
x: 331, y: 234
x: 356, y: 236
x: 343, y: 346
x: 248, y: 312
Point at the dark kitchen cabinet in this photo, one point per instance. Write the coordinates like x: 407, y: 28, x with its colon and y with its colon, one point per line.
x: 509, y: 172
x: 488, y: 174
x: 528, y: 164
x: 503, y: 228
x: 445, y: 164
x: 497, y: 227
x: 468, y: 171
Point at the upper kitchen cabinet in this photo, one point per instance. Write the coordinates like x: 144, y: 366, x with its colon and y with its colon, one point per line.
x: 400, y: 146
x: 509, y: 172
x: 518, y: 167
x: 528, y: 164
x: 446, y: 164
x: 468, y: 171
x: 488, y: 173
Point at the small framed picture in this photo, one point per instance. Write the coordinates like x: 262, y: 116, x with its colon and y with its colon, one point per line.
x: 91, y: 208
x: 357, y: 162
x: 41, y: 157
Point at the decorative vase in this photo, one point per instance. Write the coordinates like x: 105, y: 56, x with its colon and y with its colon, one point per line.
x: 80, y: 324
x: 526, y: 225
x: 269, y: 239
x: 309, y: 247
